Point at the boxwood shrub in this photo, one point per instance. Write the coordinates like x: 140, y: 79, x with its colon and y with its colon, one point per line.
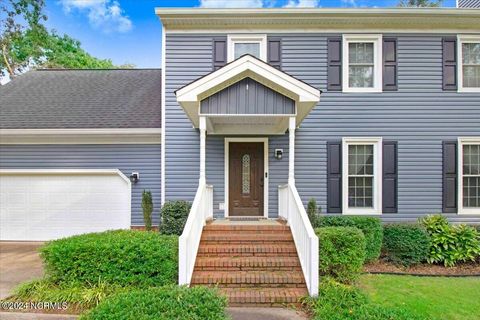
x: 170, y: 302
x: 405, y: 244
x: 371, y: 228
x: 123, y: 257
x: 174, y: 217
x: 341, y: 252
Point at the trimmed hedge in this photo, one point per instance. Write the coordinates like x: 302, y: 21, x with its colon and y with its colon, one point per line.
x: 341, y: 252
x: 171, y: 302
x: 174, y: 217
x: 342, y: 302
x: 122, y: 257
x: 405, y: 244
x: 371, y: 228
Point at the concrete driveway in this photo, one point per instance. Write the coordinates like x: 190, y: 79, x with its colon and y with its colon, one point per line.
x: 19, y: 262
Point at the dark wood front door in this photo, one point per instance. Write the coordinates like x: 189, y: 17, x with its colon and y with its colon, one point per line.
x: 246, y: 179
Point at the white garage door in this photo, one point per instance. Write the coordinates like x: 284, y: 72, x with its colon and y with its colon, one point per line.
x: 40, y: 205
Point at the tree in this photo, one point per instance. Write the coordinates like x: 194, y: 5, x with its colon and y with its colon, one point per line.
x: 21, y: 44
x: 420, y: 3
x: 147, y: 206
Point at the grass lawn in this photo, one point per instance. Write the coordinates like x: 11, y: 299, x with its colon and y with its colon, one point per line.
x: 432, y: 297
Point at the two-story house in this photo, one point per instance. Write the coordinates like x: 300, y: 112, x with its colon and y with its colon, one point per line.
x: 369, y: 111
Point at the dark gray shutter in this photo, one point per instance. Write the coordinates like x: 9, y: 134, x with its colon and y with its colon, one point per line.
x: 449, y: 176
x: 274, y: 52
x: 390, y: 64
x: 390, y: 177
x: 334, y: 176
x: 449, y: 63
x: 334, y: 64
x: 219, y: 52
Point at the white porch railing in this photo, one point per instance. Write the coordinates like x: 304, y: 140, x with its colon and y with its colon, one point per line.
x: 306, y: 241
x: 202, y: 209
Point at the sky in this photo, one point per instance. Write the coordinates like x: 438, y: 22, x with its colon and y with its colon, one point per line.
x: 127, y: 31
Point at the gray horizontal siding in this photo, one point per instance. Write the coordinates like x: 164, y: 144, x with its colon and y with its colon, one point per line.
x: 145, y: 159
x: 247, y: 96
x: 419, y: 116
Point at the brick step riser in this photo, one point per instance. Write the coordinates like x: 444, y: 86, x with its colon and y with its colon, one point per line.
x: 265, y: 305
x: 246, y: 254
x: 251, y: 285
x: 249, y: 232
x: 258, y: 268
x: 246, y: 228
x: 246, y: 242
x: 250, y: 237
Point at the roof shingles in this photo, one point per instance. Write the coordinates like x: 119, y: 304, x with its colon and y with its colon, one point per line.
x: 55, y: 99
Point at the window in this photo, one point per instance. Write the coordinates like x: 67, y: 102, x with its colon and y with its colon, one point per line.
x: 246, y: 174
x: 469, y: 63
x: 361, y: 175
x: 238, y: 45
x: 362, y: 59
x: 469, y: 180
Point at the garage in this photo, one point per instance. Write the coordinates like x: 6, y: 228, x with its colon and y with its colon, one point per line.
x: 46, y: 204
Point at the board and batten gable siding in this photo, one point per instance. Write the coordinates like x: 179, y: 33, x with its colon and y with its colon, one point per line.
x: 419, y: 116
x: 144, y: 159
x: 247, y: 96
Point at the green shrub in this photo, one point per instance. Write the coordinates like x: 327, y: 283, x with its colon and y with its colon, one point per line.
x: 341, y: 252
x: 371, y: 228
x: 171, y: 302
x: 123, y: 257
x: 174, y: 217
x: 147, y: 206
x: 342, y: 302
x: 312, y: 212
x: 450, y: 244
x: 81, y: 297
x: 405, y: 244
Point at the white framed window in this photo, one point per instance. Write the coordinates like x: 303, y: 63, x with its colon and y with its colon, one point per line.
x: 469, y: 63
x: 239, y: 44
x: 361, y: 175
x: 469, y: 175
x: 362, y: 63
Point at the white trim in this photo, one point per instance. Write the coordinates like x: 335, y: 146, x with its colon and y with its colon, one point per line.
x: 81, y: 136
x: 291, y: 150
x: 461, y: 142
x: 376, y: 39
x: 189, y: 97
x: 265, y: 168
x: 66, y: 172
x: 203, y: 141
x: 377, y: 176
x: 461, y: 39
x: 261, y: 39
x: 164, y: 80
x: 317, y: 30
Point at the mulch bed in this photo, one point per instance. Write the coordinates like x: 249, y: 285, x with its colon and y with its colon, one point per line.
x: 465, y: 269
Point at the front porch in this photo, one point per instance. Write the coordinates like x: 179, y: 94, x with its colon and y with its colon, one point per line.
x: 247, y: 103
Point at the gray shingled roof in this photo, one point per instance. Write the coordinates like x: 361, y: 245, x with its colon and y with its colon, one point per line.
x: 52, y: 99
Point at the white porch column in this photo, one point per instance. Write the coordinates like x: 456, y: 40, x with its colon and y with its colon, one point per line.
x: 203, y: 134
x: 291, y: 150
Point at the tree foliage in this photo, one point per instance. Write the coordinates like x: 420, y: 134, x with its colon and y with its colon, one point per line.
x: 26, y: 42
x: 420, y: 3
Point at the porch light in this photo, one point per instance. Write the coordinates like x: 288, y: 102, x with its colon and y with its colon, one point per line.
x: 278, y: 154
x: 134, y: 177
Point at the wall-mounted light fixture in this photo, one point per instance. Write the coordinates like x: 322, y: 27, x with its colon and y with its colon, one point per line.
x: 134, y: 177
x: 278, y: 154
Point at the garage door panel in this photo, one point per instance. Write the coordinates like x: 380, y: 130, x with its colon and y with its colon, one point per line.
x: 50, y: 206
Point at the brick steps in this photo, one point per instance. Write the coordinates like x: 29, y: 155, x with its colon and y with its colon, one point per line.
x: 247, y: 263
x: 252, y: 264
x: 268, y: 297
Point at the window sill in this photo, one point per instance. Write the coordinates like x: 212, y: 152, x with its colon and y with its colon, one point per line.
x: 361, y: 212
x: 475, y: 211
x: 460, y: 90
x: 362, y: 90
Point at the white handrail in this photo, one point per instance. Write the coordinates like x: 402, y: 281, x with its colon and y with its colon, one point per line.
x: 201, y: 210
x: 306, y: 241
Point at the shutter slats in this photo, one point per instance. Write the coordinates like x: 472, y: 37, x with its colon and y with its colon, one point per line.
x: 274, y: 52
x: 450, y: 176
x: 390, y: 177
x: 219, y: 52
x: 334, y: 176
x: 390, y: 76
x: 334, y: 64
x: 449, y: 63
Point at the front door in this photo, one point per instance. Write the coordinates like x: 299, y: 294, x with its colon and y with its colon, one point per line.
x: 246, y: 179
